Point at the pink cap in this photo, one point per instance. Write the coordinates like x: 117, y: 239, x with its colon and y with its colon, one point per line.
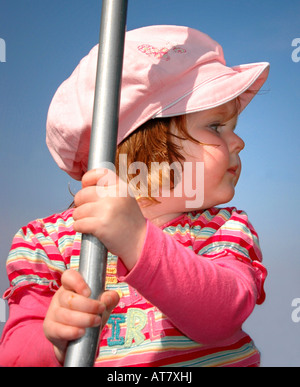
x: 167, y: 71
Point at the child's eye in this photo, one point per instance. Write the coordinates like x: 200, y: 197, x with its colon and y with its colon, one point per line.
x: 216, y: 126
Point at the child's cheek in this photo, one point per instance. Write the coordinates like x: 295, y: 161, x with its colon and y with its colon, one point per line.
x: 216, y: 159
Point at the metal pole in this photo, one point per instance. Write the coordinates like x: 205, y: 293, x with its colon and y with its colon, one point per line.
x: 93, y: 255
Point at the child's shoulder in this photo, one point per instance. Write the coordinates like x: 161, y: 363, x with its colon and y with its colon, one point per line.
x: 41, y: 251
x: 204, y: 224
x: 56, y: 219
x: 63, y: 216
x: 217, y: 231
x: 214, y: 216
x: 51, y: 225
x: 214, y: 222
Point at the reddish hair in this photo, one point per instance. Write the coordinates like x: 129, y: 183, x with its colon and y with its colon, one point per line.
x: 154, y: 142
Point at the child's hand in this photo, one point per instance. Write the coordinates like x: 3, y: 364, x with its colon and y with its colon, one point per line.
x: 71, y: 311
x: 116, y: 220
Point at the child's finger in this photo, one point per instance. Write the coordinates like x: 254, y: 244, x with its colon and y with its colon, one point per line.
x: 83, y: 196
x: 95, y: 176
x: 72, y: 301
x: 72, y: 280
x: 111, y: 299
x: 63, y: 332
x: 83, y: 211
x: 77, y: 319
x: 88, y: 225
x: 90, y: 178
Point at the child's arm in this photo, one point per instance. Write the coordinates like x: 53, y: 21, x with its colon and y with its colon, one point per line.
x: 207, y: 299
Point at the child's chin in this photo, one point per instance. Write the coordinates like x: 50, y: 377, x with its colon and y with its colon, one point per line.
x: 226, y: 198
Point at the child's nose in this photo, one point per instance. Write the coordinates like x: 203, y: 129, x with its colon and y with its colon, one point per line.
x: 236, y: 143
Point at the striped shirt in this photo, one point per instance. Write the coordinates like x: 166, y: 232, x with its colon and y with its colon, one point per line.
x: 183, y: 304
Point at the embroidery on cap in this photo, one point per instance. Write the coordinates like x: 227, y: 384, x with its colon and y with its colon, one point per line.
x: 179, y: 50
x: 160, y: 53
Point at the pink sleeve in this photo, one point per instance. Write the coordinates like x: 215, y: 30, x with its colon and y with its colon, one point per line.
x: 207, y: 299
x: 23, y: 343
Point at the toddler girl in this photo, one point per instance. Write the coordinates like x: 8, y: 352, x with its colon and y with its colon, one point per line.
x: 182, y: 274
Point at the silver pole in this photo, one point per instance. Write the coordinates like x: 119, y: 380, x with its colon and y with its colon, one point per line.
x: 93, y: 255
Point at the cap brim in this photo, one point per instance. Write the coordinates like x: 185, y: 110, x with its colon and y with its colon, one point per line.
x: 220, y: 90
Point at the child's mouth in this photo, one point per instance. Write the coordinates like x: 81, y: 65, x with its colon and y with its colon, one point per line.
x: 233, y: 170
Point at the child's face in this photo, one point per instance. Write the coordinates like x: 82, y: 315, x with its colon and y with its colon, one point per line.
x: 222, y: 165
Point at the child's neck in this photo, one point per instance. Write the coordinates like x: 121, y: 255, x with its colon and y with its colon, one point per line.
x: 158, y: 214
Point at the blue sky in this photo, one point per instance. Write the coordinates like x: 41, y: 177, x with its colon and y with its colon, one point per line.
x: 46, y: 39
